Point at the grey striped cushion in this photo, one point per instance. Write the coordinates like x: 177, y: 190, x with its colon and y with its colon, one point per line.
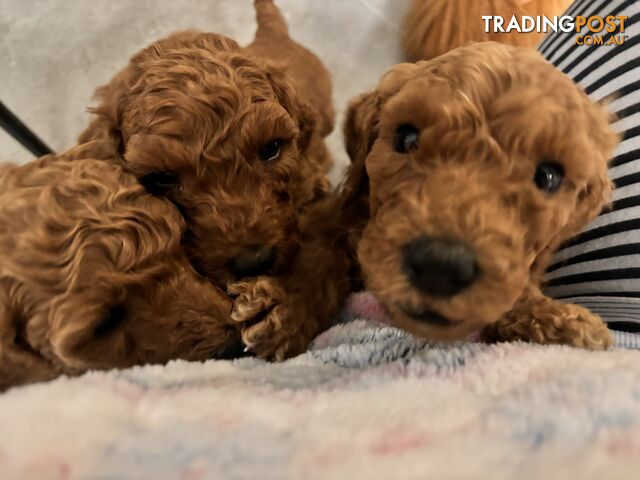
x: 601, y: 268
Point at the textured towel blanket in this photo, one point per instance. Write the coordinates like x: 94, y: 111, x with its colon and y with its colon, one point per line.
x: 366, y: 402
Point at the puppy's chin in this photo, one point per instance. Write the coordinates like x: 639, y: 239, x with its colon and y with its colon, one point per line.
x: 441, y: 319
x: 432, y: 325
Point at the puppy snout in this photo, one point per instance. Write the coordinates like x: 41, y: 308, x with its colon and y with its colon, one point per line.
x: 253, y: 261
x: 440, y: 266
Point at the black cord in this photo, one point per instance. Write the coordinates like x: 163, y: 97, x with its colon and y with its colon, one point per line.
x: 18, y: 130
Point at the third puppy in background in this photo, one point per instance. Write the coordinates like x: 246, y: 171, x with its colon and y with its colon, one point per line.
x: 433, y: 27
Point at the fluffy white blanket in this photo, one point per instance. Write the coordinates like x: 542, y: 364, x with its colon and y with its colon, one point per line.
x: 366, y: 402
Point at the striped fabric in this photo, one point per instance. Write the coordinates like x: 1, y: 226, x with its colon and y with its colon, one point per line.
x: 600, y: 269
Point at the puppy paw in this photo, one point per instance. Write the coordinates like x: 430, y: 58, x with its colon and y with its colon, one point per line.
x: 268, y: 328
x: 547, y: 321
x: 275, y: 337
x: 254, y: 298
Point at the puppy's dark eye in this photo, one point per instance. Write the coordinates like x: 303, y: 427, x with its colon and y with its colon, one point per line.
x: 407, y: 138
x: 159, y: 183
x: 549, y: 176
x: 270, y: 151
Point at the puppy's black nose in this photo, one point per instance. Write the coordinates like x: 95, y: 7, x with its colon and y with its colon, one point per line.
x: 253, y: 261
x: 439, y: 266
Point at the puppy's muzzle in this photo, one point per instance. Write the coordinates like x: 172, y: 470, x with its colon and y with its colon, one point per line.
x: 253, y: 261
x: 440, y: 267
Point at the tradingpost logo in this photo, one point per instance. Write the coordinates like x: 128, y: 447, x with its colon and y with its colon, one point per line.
x: 605, y: 31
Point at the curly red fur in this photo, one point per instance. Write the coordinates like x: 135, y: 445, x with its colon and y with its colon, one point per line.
x: 488, y: 115
x: 199, y: 106
x: 93, y: 274
x: 434, y: 27
x: 299, y: 305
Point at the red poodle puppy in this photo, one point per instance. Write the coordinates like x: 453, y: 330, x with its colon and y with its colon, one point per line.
x: 93, y: 275
x: 233, y: 137
x: 469, y: 171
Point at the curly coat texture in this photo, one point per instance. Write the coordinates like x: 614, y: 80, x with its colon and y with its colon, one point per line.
x: 193, y: 115
x: 487, y: 116
x: 433, y: 27
x: 199, y: 107
x: 92, y: 274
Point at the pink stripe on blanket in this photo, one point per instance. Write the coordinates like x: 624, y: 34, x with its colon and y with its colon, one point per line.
x: 365, y: 305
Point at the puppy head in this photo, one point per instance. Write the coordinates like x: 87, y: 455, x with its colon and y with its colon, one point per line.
x: 145, y: 316
x: 477, y: 165
x: 129, y: 295
x: 225, y: 139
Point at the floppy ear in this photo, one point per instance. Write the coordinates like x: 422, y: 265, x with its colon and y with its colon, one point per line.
x: 591, y: 201
x: 360, y: 133
x: 596, y: 194
x: 306, y: 117
x: 106, y: 126
x: 115, y: 96
x: 361, y: 126
x: 86, y: 329
x: 307, y: 123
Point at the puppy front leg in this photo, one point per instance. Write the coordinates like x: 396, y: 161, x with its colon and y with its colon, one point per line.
x: 279, y: 317
x: 540, y: 319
